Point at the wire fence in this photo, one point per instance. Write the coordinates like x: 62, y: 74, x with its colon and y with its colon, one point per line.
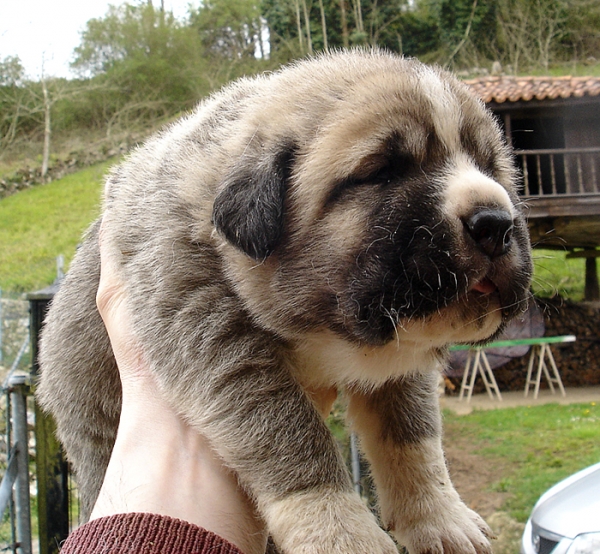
x: 14, y: 334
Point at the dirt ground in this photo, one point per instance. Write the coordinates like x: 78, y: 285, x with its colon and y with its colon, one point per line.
x: 472, y: 476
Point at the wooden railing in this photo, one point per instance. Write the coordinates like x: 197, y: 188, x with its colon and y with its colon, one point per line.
x: 554, y: 172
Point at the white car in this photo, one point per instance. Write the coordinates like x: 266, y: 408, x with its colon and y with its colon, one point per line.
x: 566, y: 518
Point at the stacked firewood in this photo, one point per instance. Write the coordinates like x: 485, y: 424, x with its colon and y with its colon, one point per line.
x: 578, y: 362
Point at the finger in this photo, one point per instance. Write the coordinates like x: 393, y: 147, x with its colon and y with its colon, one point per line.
x: 110, y: 293
x: 111, y: 300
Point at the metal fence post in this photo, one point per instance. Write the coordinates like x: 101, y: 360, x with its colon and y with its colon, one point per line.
x: 355, y: 460
x: 19, y: 388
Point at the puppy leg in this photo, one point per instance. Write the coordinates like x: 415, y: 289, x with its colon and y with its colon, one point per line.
x: 271, y: 435
x: 232, y: 381
x: 400, y: 430
x: 342, y: 512
x: 324, y: 521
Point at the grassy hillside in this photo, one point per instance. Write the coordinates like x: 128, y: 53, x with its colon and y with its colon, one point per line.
x: 38, y: 224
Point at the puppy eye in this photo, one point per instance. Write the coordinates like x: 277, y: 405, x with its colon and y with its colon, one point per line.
x: 392, y: 169
x: 383, y: 176
x: 396, y: 168
x: 384, y: 172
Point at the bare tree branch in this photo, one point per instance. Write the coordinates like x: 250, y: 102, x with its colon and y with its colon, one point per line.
x: 323, y: 24
x: 466, y: 35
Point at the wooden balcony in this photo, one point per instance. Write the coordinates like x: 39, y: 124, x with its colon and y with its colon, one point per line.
x: 566, y: 171
x: 561, y: 189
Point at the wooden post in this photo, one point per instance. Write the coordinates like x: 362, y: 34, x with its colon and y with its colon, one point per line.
x: 508, y: 129
x: 592, y: 290
x: 51, y: 466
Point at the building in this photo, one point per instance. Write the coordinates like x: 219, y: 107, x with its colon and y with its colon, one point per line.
x: 553, y: 124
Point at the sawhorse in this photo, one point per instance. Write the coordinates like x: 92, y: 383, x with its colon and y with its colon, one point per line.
x: 544, y: 353
x: 477, y: 363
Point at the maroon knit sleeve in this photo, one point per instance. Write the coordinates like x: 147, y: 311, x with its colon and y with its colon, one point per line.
x: 141, y: 533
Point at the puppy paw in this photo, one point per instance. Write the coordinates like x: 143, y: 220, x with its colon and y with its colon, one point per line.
x: 326, y: 522
x: 457, y: 530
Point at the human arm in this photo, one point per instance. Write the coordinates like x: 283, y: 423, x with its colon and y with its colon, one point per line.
x: 162, y: 475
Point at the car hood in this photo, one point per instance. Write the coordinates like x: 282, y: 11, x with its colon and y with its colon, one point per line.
x: 572, y: 506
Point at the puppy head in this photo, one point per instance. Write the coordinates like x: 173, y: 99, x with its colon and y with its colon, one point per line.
x: 387, y: 210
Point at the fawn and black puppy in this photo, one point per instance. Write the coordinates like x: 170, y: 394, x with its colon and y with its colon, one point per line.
x: 333, y: 225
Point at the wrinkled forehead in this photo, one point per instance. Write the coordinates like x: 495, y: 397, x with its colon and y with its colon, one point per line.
x: 446, y: 108
x: 421, y: 115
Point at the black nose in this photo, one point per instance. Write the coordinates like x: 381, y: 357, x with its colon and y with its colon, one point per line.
x: 491, y: 229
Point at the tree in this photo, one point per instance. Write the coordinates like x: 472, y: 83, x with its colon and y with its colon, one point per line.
x: 467, y: 32
x: 230, y: 29
x: 323, y: 24
x: 384, y: 23
x: 148, y: 62
x: 582, y: 39
x: 531, y: 31
x: 344, y: 24
x: 333, y: 23
x: 26, y: 106
x: 12, y: 72
x: 307, y: 27
x: 418, y: 33
x: 466, y: 27
x: 12, y: 98
x: 47, y: 125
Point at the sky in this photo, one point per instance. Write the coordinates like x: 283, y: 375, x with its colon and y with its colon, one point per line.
x: 45, y: 32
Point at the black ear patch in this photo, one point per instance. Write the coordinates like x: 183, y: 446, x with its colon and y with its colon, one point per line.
x: 249, y: 210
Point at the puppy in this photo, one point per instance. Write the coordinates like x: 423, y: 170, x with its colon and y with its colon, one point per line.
x: 334, y: 225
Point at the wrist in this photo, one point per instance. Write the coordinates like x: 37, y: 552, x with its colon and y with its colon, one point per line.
x: 160, y: 465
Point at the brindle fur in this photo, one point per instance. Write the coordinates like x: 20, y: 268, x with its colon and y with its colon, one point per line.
x: 302, y: 232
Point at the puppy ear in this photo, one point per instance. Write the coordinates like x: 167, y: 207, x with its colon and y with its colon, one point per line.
x: 248, y: 211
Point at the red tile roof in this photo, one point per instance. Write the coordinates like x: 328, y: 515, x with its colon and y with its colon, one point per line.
x: 513, y: 89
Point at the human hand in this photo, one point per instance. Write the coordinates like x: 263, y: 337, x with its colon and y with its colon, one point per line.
x: 159, y: 463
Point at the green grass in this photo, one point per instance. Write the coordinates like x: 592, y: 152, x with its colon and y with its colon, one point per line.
x: 38, y: 224
x: 567, y: 69
x: 554, y: 274
x: 536, y: 446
